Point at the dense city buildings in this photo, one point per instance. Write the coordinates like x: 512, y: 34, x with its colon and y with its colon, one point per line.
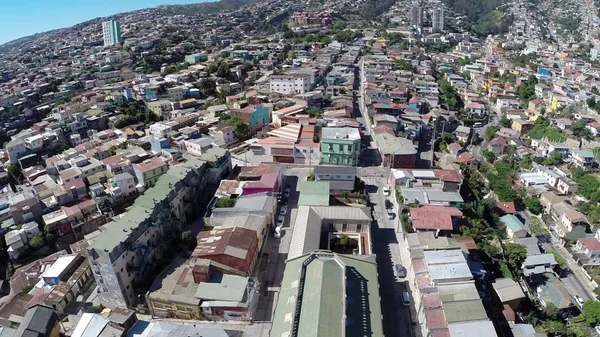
x: 276, y: 168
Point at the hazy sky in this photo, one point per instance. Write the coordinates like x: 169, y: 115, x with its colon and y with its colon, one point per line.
x: 20, y: 18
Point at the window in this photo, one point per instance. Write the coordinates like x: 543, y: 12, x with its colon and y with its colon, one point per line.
x: 358, y: 228
x: 344, y: 227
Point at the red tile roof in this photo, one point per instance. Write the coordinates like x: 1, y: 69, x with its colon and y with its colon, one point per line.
x: 465, y: 157
x: 506, y: 207
x: 448, y: 175
x: 434, y: 217
x: 590, y: 243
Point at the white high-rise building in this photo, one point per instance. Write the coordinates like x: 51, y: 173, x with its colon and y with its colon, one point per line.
x: 438, y: 19
x: 111, y: 31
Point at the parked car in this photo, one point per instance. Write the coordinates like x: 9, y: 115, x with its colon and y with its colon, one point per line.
x: 400, y: 271
x: 280, y: 220
x: 390, y: 214
x: 386, y: 191
x: 388, y: 204
x: 579, y: 300
x: 597, y: 328
x: 283, y: 210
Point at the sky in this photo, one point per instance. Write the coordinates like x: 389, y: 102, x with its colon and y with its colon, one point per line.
x: 19, y: 18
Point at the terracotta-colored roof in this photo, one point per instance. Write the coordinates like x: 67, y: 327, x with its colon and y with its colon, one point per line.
x: 506, y: 207
x: 448, y: 175
x: 590, y: 243
x: 508, y: 313
x: 434, y: 217
x: 465, y: 157
x: 498, y: 141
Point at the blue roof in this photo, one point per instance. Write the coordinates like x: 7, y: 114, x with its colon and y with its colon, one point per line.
x: 584, y: 153
x: 511, y: 221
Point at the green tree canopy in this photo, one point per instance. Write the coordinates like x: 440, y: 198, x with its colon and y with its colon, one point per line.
x: 515, y: 256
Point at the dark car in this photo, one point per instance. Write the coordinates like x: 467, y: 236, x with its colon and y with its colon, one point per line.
x: 388, y: 204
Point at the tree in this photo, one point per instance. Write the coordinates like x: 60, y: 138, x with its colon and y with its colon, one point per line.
x: 506, y: 122
x: 526, y: 163
x: 580, y: 130
x: 240, y: 128
x: 515, y: 256
x: 189, y: 239
x: 490, y: 132
x: 562, y: 263
x: 489, y: 156
x: 555, y: 158
x: 208, y: 87
x: 14, y: 172
x: 224, y: 54
x: 591, y: 311
x: 37, y: 241
x: 225, y: 203
x: 534, y: 205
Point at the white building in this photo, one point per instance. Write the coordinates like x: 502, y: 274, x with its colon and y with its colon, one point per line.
x: 111, y: 31
x: 290, y: 83
x: 15, y: 149
x: 122, y: 185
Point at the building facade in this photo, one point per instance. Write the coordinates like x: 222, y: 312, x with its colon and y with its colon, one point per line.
x: 111, y: 31
x: 340, y: 146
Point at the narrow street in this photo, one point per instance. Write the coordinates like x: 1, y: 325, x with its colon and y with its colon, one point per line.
x: 573, y: 278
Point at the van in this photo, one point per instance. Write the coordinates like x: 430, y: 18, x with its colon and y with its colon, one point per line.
x: 405, y: 299
x: 478, y: 125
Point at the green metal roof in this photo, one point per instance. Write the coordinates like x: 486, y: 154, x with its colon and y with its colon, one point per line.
x: 513, y: 222
x: 339, y: 297
x: 223, y: 287
x: 314, y: 193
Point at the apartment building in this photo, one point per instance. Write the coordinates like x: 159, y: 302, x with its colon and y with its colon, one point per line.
x: 288, y: 84
x: 340, y: 146
x: 148, y: 171
x: 584, y: 159
x: 127, y: 254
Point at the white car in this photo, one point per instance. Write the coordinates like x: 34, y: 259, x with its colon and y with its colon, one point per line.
x: 597, y: 328
x: 386, y: 191
x: 579, y: 300
x: 283, y: 210
x: 280, y: 221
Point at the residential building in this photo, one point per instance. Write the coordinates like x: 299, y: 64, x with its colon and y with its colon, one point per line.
x: 396, y: 152
x: 509, y: 292
x: 15, y: 149
x: 588, y: 251
x: 584, y: 159
x: 111, y: 32
x: 446, y: 298
x: 515, y: 229
x: 128, y: 253
x: 230, y: 250
x: 437, y: 20
x: 439, y: 219
x: 196, y: 58
x: 429, y: 187
x: 311, y: 277
x: 340, y: 178
x: 148, y: 171
x: 193, y: 289
x: 161, y: 107
x: 288, y: 84
x: 567, y: 220
x: 39, y: 321
x: 416, y: 16
x: 255, y: 116
x: 122, y: 186
x: 340, y: 146
x: 538, y: 264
